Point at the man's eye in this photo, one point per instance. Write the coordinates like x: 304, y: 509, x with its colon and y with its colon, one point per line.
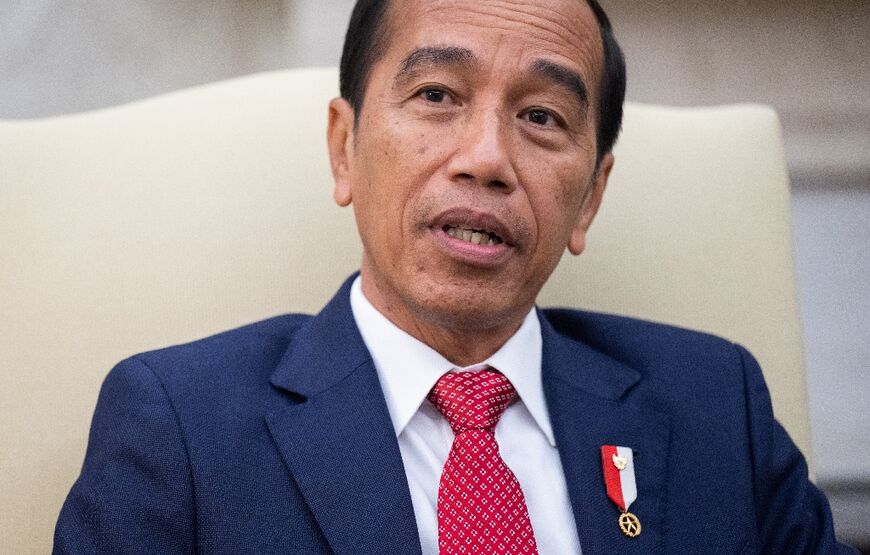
x: 433, y: 95
x: 538, y: 117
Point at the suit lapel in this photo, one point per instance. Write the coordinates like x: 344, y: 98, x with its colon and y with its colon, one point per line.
x: 337, y: 439
x: 591, y: 404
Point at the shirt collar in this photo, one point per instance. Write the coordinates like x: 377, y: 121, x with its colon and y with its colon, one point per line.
x: 408, y: 368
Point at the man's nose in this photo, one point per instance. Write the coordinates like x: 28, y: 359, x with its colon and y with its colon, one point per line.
x: 483, y: 153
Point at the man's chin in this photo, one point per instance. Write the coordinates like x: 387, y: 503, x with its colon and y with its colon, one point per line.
x: 452, y: 300
x: 471, y: 310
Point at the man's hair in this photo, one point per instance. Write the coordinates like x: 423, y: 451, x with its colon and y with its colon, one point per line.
x: 366, y: 41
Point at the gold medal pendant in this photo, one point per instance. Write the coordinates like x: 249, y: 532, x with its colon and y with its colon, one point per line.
x: 617, y: 462
x: 629, y: 524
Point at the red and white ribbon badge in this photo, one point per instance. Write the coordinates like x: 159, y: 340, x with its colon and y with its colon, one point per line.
x: 618, y: 465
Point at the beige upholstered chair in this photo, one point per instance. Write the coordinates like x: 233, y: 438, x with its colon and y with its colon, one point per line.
x: 168, y: 219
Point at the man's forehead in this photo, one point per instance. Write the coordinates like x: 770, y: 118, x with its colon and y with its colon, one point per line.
x: 565, y: 29
x: 518, y: 10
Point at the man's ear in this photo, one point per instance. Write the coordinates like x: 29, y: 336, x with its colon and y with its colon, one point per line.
x: 339, y: 138
x: 577, y: 241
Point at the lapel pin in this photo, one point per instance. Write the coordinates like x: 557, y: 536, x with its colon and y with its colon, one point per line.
x: 618, y: 465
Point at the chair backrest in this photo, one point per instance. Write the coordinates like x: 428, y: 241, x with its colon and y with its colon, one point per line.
x: 168, y: 219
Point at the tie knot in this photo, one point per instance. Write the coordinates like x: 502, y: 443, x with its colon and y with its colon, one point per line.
x: 472, y: 400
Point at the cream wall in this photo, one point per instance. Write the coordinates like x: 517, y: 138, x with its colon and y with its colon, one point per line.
x: 807, y: 58
x: 58, y: 57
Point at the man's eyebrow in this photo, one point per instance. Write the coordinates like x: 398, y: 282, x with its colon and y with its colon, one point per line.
x: 428, y: 56
x: 563, y: 77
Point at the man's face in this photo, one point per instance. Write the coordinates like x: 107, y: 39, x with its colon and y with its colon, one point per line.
x: 473, y: 163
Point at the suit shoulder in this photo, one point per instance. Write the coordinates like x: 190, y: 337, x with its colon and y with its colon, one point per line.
x: 633, y: 340
x: 258, y: 344
x: 594, y: 324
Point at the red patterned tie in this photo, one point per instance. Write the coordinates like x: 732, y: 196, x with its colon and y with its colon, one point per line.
x: 481, y: 508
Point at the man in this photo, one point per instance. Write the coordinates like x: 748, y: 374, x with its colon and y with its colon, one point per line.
x: 430, y: 407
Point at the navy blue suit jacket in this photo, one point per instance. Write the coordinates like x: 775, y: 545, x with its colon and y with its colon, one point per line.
x: 275, y: 438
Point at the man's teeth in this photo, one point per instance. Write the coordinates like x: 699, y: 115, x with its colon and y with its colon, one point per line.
x: 473, y: 236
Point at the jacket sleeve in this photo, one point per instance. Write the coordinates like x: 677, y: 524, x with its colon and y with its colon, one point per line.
x: 792, y: 515
x: 135, y: 493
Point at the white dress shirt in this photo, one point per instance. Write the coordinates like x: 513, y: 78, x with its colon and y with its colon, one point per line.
x: 408, y: 369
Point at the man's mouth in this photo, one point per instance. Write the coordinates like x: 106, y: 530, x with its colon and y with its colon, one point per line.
x: 473, y: 236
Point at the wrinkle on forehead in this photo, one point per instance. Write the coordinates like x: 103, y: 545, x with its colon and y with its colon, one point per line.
x: 547, y: 19
x: 564, y: 28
